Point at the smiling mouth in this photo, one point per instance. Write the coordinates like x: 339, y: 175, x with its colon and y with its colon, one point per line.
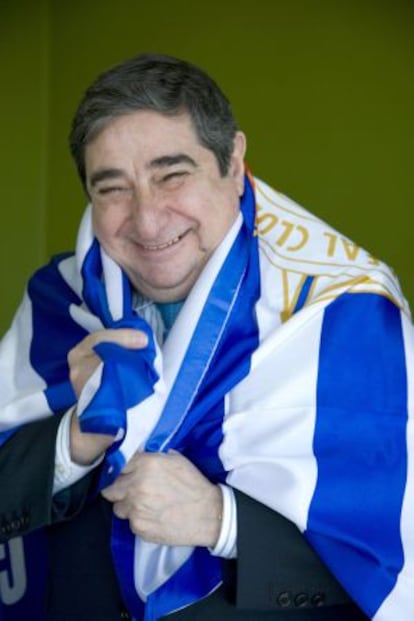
x: 168, y: 244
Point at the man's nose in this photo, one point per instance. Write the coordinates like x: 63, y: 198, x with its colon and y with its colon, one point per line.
x: 149, y: 212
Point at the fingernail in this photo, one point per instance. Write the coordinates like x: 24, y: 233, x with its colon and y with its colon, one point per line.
x: 139, y: 339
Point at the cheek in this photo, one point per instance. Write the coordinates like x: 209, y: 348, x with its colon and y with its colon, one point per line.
x: 105, y: 226
x: 220, y: 217
x: 214, y: 227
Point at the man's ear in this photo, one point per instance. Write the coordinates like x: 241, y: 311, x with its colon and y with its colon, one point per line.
x: 236, y: 168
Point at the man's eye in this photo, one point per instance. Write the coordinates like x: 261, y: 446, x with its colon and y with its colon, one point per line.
x: 175, y: 176
x: 111, y: 190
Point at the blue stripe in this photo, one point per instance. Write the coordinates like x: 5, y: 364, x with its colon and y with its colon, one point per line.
x: 225, y: 308
x: 197, y: 577
x: 218, y: 357
x: 5, y: 435
x: 360, y: 446
x: 200, y: 353
x: 304, y: 293
x: 54, y: 331
x: 128, y: 375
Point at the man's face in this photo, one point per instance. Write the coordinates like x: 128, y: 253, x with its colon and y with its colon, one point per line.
x: 160, y: 205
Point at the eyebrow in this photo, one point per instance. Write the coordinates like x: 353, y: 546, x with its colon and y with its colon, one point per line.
x: 106, y: 173
x: 164, y: 161
x: 170, y: 160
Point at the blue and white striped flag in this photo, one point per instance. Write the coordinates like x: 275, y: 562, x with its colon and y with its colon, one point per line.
x: 288, y: 374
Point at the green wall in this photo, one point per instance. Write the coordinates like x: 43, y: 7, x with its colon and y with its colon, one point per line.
x: 324, y: 90
x: 23, y: 130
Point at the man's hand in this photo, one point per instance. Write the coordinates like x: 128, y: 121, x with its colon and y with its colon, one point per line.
x: 167, y: 500
x: 82, y: 360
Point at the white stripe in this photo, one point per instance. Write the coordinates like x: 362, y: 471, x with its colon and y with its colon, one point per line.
x: 85, y: 237
x: 154, y: 564
x: 113, y: 285
x: 182, y: 331
x: 273, y: 455
x: 21, y: 388
x: 399, y: 606
x: 85, y: 319
x: 68, y: 269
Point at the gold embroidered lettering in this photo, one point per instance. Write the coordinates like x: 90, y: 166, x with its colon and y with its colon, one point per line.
x: 268, y: 218
x: 332, y: 239
x: 305, y: 236
x: 286, y: 233
x: 351, y: 249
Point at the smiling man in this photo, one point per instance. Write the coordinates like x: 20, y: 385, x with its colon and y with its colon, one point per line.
x: 204, y: 415
x: 160, y: 204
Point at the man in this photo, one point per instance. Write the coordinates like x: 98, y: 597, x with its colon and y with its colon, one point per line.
x: 225, y: 410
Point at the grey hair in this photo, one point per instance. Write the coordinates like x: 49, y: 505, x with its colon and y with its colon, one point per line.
x: 161, y: 83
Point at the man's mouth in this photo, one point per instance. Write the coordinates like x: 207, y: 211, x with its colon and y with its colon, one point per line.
x: 164, y: 245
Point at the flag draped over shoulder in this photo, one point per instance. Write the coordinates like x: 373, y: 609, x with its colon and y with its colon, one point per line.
x: 288, y: 374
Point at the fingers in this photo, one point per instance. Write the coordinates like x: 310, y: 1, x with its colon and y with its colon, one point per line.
x: 126, y: 337
x: 136, y: 478
x: 115, y: 492
x: 167, y: 500
x: 83, y: 360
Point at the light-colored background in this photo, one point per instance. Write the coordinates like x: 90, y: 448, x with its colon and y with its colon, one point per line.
x: 323, y: 88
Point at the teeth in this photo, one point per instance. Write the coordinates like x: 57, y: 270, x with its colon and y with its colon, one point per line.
x: 163, y: 246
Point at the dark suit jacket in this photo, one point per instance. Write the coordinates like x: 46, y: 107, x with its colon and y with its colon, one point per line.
x: 277, y: 576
